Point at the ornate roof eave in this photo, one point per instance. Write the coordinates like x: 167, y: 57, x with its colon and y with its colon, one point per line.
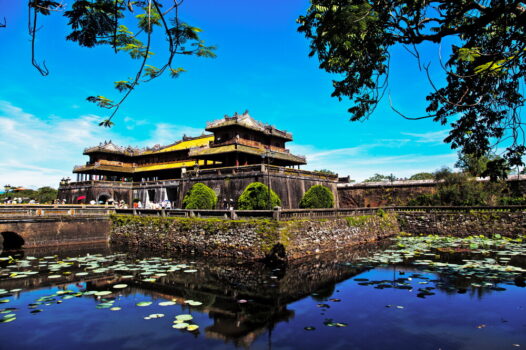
x: 246, y: 121
x: 109, y: 147
x: 134, y: 170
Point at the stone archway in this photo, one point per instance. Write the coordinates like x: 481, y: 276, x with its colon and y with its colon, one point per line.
x: 103, y: 197
x: 11, y: 240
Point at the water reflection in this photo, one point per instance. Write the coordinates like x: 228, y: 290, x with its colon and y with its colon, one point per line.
x: 243, y: 300
x: 241, y: 304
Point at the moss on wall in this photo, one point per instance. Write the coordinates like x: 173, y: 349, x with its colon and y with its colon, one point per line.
x: 252, y: 239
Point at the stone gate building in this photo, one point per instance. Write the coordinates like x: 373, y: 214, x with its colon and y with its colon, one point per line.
x: 235, y: 152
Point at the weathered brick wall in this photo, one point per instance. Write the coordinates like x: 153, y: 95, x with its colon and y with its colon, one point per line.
x: 399, y: 193
x: 39, y: 232
x: 95, y: 191
x: 509, y: 224
x: 249, y: 239
x: 381, y: 195
x: 228, y: 187
x: 288, y: 187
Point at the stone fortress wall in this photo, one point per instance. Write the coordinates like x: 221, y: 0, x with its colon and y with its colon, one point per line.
x: 228, y: 183
x: 399, y: 193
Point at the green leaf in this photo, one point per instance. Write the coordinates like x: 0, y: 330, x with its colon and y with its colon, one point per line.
x: 101, y: 101
x: 151, y: 71
x: 468, y: 54
x: 122, y: 85
x: 106, y: 123
x: 174, y: 72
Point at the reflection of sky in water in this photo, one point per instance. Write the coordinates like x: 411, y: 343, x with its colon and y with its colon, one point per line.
x: 446, y: 320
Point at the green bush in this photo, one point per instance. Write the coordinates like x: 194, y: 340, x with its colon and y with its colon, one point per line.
x: 200, y: 196
x: 424, y: 199
x: 512, y: 201
x: 256, y: 196
x: 317, y: 196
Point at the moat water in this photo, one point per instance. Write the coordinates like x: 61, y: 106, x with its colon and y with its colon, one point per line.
x: 410, y: 293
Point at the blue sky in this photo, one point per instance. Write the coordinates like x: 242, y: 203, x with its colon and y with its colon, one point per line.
x: 262, y: 65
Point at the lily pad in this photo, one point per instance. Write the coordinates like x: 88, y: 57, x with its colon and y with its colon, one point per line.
x: 144, y: 303
x: 167, y: 303
x: 184, y: 317
x: 180, y: 325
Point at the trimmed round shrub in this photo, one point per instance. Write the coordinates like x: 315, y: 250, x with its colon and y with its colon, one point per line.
x: 317, y: 196
x: 200, y: 196
x: 255, y: 197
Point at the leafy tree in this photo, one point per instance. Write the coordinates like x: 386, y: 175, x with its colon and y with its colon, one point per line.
x: 101, y: 23
x: 461, y: 189
x: 422, y: 176
x: 482, y: 166
x: 481, y: 96
x: 424, y: 199
x: 46, y: 194
x: 200, y: 196
x: 42, y: 195
x: 325, y: 172
x: 379, y: 178
x: 471, y: 164
x: 317, y: 196
x: 256, y: 197
x: 512, y: 201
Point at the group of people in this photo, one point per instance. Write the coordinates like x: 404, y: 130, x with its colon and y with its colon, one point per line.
x: 166, y: 204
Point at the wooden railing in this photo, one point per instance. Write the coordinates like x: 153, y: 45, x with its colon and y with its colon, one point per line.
x: 272, y: 169
x: 251, y: 143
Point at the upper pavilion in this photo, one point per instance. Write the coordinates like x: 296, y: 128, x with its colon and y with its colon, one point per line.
x: 234, y: 141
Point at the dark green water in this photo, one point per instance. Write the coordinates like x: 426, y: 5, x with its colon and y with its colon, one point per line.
x: 398, y: 295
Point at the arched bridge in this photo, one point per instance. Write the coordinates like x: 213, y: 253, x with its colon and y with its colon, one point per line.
x: 27, y: 226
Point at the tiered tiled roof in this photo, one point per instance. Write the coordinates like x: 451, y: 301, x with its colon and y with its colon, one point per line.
x: 185, y: 143
x: 246, y: 121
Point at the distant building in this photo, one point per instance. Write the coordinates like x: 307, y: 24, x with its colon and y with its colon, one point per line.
x: 239, y: 150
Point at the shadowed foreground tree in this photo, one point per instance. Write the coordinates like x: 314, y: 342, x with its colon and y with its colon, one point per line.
x: 102, y: 23
x: 481, y: 96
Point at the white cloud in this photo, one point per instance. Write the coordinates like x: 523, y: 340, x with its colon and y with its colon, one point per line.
x: 132, y: 123
x: 436, y: 137
x: 38, y: 152
x: 362, y: 162
x: 164, y: 133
